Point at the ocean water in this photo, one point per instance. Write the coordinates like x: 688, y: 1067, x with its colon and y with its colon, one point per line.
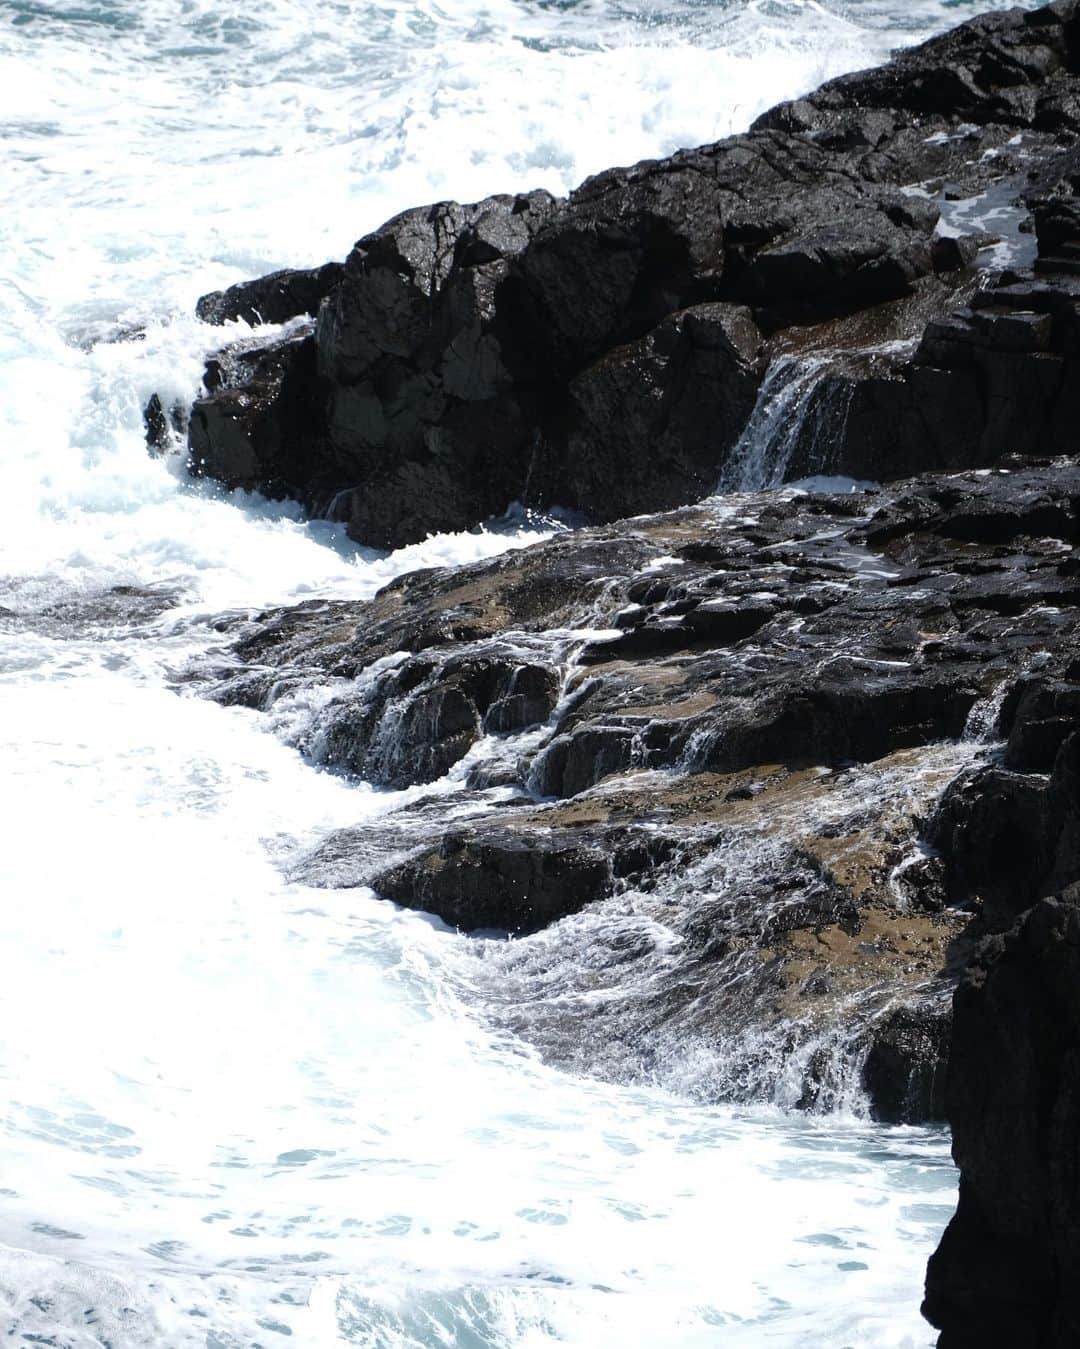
x: 236, y: 1111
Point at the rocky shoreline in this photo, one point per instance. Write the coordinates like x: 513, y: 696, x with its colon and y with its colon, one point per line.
x: 797, y: 764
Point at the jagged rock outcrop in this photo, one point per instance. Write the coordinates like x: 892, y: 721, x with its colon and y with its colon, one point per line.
x: 471, y: 354
x: 756, y: 909
x: 415, y: 721
x: 1011, y: 838
x: 519, y: 880
x: 794, y: 629
x: 1000, y: 375
x: 663, y: 409
x: 906, y: 1068
x: 272, y: 299
x: 1006, y: 1272
x: 250, y: 429
x: 603, y: 352
x: 1008, y: 69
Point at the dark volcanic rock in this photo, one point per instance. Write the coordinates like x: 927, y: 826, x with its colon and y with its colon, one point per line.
x: 756, y: 910
x: 743, y: 715
x: 1007, y: 1272
x: 1012, y: 838
x: 1056, y: 212
x: 157, y: 424
x: 700, y: 754
x: 801, y: 630
x: 906, y: 1067
x: 1012, y: 69
x: 766, y: 219
x: 162, y: 429
x: 662, y: 411
x: 249, y: 428
x: 517, y: 882
x: 999, y: 376
x: 416, y: 721
x: 596, y: 352
x: 429, y: 417
x: 1041, y: 713
x: 271, y: 299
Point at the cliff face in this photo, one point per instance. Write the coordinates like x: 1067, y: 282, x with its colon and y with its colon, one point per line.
x: 765, y: 726
x: 1008, y: 1268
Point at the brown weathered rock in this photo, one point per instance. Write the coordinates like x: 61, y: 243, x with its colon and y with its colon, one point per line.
x: 728, y: 705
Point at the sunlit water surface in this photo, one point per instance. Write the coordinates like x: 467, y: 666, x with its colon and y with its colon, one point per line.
x: 235, y: 1110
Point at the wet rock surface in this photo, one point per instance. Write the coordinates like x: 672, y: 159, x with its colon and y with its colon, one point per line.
x: 999, y: 69
x: 249, y: 428
x: 271, y: 299
x: 415, y: 721
x: 603, y: 352
x: 738, y: 753
x: 743, y: 935
x: 755, y: 782
x: 1006, y: 1271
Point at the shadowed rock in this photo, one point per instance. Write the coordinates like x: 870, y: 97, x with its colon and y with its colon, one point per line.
x: 516, y: 881
x: 420, y: 718
x: 1007, y: 1272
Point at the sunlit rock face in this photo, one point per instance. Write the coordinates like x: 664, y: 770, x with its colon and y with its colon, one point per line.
x: 602, y: 352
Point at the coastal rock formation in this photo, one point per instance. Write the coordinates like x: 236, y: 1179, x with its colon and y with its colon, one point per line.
x: 1008, y: 1268
x: 271, y: 299
x: 413, y: 722
x: 793, y: 763
x: 1010, y: 69
x: 998, y: 375
x: 250, y: 427
x: 730, y: 724
x: 468, y: 356
x: 519, y: 880
x: 749, y: 630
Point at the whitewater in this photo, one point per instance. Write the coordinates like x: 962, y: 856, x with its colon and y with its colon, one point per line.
x: 237, y: 1111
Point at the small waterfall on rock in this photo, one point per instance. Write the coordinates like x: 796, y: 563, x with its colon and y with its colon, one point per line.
x: 798, y: 421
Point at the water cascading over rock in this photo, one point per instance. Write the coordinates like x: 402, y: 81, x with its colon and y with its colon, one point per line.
x: 725, y: 771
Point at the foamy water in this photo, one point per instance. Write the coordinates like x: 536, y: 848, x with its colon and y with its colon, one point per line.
x: 236, y: 1109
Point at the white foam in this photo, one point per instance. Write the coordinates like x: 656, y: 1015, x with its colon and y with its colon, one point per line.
x: 236, y: 1105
